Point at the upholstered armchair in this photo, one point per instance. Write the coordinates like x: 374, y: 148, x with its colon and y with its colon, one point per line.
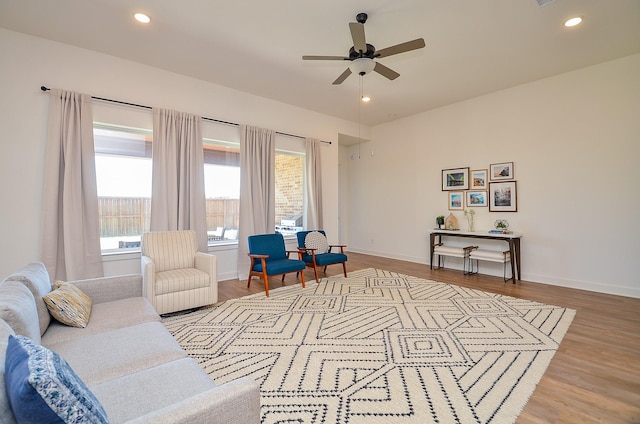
x: 270, y: 257
x: 175, y: 276
x: 316, y: 251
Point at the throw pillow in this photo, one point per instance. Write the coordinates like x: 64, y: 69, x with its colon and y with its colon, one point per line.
x: 42, y: 387
x: 69, y: 305
x: 316, y: 240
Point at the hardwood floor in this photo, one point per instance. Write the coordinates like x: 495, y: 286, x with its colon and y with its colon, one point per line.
x: 594, y: 376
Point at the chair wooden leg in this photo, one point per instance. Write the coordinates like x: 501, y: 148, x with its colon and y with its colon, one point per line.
x: 249, y: 281
x: 266, y: 283
x: 344, y: 268
x: 315, y: 270
x: 302, y: 278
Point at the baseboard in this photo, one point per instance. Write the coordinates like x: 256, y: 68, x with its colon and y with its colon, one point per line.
x: 496, y: 271
x: 414, y: 259
x: 593, y: 286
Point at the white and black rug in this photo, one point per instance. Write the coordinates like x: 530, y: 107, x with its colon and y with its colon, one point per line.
x: 379, y: 347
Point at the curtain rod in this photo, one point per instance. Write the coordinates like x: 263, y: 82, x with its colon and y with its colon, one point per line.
x: 120, y: 102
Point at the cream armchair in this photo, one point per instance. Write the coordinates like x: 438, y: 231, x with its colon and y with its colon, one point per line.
x: 175, y: 276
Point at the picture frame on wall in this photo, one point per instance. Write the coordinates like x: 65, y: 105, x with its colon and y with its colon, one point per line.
x: 501, y: 171
x: 478, y: 179
x: 477, y: 199
x: 455, y: 179
x: 503, y: 197
x: 456, y: 200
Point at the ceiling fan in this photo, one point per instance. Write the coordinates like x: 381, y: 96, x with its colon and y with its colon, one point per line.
x: 362, y: 55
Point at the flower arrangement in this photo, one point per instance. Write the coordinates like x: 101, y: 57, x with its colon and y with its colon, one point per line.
x: 470, y: 214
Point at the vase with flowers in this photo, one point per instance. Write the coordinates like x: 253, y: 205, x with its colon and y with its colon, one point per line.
x: 470, y: 215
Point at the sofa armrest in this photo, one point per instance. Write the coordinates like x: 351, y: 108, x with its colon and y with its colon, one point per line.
x: 148, y: 269
x: 208, y: 263
x: 108, y: 289
x: 236, y: 402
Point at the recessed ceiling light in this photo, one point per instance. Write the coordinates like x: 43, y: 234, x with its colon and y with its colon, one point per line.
x: 573, y: 21
x: 141, y: 17
x: 366, y: 99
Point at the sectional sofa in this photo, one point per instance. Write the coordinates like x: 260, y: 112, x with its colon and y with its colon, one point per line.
x: 124, y: 356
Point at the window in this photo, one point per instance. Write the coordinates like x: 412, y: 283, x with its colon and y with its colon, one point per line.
x: 289, y: 174
x: 123, y: 177
x: 124, y: 173
x: 222, y: 190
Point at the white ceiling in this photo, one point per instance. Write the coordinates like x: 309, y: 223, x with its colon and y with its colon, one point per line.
x: 473, y: 47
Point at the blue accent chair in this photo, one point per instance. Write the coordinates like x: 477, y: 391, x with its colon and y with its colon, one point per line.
x: 313, y: 260
x: 270, y: 257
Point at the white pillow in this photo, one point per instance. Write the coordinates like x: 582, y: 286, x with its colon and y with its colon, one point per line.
x: 316, y: 240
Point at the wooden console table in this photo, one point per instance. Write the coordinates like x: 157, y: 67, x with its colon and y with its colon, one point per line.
x: 513, y: 240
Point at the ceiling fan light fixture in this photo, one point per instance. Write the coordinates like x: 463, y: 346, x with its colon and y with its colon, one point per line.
x: 362, y: 66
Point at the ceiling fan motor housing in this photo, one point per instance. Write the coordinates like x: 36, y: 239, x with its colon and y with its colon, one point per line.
x: 353, y: 54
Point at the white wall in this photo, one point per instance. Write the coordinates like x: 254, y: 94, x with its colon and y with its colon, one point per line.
x: 575, y: 143
x: 29, y: 62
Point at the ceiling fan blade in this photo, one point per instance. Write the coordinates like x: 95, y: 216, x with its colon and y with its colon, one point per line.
x: 357, y: 34
x: 401, y: 48
x: 343, y: 76
x: 324, y: 58
x: 385, y: 72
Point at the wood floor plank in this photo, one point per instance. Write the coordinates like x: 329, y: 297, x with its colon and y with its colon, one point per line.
x: 594, y: 376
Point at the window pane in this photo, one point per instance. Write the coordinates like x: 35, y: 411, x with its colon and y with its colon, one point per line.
x: 289, y: 175
x: 222, y: 190
x: 123, y: 176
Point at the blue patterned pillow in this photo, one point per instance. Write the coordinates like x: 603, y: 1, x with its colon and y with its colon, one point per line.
x: 42, y: 387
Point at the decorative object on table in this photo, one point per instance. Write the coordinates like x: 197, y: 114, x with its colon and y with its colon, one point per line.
x: 440, y: 221
x: 456, y: 200
x: 503, y: 197
x: 455, y: 179
x: 501, y: 171
x: 502, y: 226
x: 478, y: 180
x: 470, y: 214
x: 451, y: 223
x: 477, y: 198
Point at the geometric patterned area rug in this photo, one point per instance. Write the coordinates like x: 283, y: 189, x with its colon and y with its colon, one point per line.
x: 378, y: 347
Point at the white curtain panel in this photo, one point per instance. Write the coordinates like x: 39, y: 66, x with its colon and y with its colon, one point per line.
x: 177, y: 195
x: 313, y: 181
x: 257, y: 189
x: 70, y: 225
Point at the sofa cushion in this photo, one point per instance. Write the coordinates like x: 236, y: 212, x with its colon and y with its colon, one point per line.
x: 69, y: 305
x: 316, y: 240
x: 178, y: 280
x: 120, y: 352
x: 6, y: 414
x: 133, y: 396
x: 36, y: 278
x: 42, y: 387
x: 104, y: 317
x: 18, y: 309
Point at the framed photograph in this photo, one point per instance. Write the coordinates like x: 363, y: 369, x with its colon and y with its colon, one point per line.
x: 478, y: 180
x: 501, y: 171
x: 476, y: 199
x: 503, y: 197
x: 456, y: 201
x: 455, y: 179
